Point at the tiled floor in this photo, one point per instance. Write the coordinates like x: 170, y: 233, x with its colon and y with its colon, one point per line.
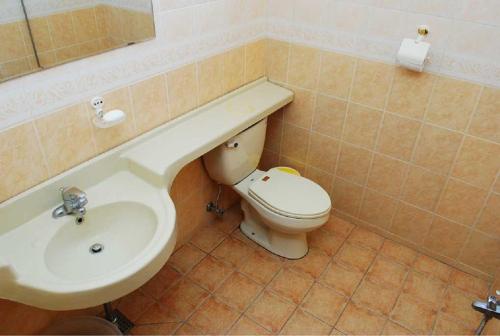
x: 351, y: 282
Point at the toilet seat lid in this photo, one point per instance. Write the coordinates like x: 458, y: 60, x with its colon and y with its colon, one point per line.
x: 290, y: 195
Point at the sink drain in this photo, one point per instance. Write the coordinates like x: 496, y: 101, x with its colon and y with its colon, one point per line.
x: 96, y: 248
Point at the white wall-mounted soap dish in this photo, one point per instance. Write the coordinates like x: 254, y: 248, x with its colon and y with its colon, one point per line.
x: 106, y: 119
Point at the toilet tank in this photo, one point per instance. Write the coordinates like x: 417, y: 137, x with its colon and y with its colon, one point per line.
x: 235, y: 159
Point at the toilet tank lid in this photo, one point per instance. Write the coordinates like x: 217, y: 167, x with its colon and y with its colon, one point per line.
x: 290, y: 195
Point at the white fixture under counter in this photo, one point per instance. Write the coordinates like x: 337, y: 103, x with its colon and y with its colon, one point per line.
x: 38, y: 253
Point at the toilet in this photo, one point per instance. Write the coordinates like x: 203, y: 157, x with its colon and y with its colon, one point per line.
x: 279, y: 205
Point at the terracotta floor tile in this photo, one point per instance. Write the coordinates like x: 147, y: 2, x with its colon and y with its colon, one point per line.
x: 432, y: 267
x: 429, y: 290
x: 134, y: 304
x: 210, y: 273
x: 336, y: 332
x: 158, y: 313
x: 184, y: 259
x: 245, y: 326
x: 365, y: 238
x: 183, y: 298
x: 238, y: 291
x: 387, y: 273
x: 270, y: 311
x: 398, y: 252
x: 291, y: 285
x: 163, y: 280
x: 314, y: 263
x: 213, y: 317
x: 324, y: 303
x: 241, y: 237
x: 261, y: 267
x: 155, y: 329
x: 355, y: 257
x: 469, y: 283
x: 392, y: 328
x: 342, y: 279
x: 360, y: 321
x: 325, y: 241
x: 207, y: 238
x: 302, y: 323
x: 338, y: 226
x: 232, y: 251
x: 458, y: 305
x: 446, y: 325
x: 187, y: 329
x: 376, y: 297
x: 414, y: 315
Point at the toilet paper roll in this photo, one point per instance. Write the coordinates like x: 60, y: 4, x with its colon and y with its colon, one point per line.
x: 412, y: 54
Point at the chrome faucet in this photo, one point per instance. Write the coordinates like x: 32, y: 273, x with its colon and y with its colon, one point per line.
x: 74, y: 201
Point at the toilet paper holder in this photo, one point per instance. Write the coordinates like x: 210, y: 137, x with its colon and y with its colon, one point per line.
x: 413, y: 53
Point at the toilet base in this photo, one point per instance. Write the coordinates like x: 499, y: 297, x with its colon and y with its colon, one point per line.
x: 290, y: 246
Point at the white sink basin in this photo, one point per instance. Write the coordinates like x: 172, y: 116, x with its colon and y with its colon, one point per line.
x: 118, y: 232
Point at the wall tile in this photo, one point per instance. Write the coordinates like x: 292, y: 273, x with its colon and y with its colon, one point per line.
x: 461, y: 202
x: 486, y: 120
x: 329, y: 116
x: 295, y: 142
x: 411, y: 223
x: 182, y: 86
x: 377, y: 209
x: 410, y: 93
x: 354, y: 163
x: 234, y: 69
x: 336, y: 74
x: 446, y: 238
x: 255, y: 58
x: 422, y: 188
x: 436, y: 148
x: 274, y: 134
x: 210, y: 79
x: 149, y: 99
x: 452, y: 103
x: 387, y: 175
x: 62, y: 30
x: 300, y: 111
x: 277, y: 54
x: 324, y: 179
x: 304, y: 66
x: 398, y: 136
x: 477, y: 162
x: 361, y: 125
x: 481, y: 252
x: 56, y: 130
x: 346, y: 196
x: 323, y: 152
x: 371, y: 83
x: 490, y: 217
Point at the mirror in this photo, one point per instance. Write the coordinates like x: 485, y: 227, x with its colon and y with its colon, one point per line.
x: 38, y: 34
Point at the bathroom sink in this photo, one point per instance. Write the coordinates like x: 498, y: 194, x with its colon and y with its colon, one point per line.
x: 111, y: 236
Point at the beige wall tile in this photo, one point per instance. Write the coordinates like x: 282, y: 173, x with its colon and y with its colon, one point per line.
x: 477, y: 162
x: 277, y: 54
x: 85, y: 24
x: 323, y: 152
x: 377, y: 209
x: 234, y: 69
x: 255, y: 60
x: 445, y: 237
x: 410, y: 93
x: 361, y: 125
x: 304, y: 66
x: 461, y: 202
x: 295, y: 142
x: 21, y: 161
x: 436, y: 148
x: 107, y: 138
x: 210, y: 78
x: 300, y: 112
x: 422, y: 188
x: 336, y: 74
x: 371, y: 83
x: 71, y: 124
x: 274, y: 133
x: 62, y: 30
x: 346, y: 196
x: 41, y: 34
x: 329, y: 116
x: 182, y: 86
x: 269, y: 160
x: 482, y: 252
x: 150, y: 103
x: 354, y: 163
x: 387, y: 175
x: 324, y: 179
x: 292, y: 163
x: 398, y: 136
x: 12, y: 42
x: 452, y: 103
x: 486, y: 120
x: 411, y: 223
x: 491, y: 217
